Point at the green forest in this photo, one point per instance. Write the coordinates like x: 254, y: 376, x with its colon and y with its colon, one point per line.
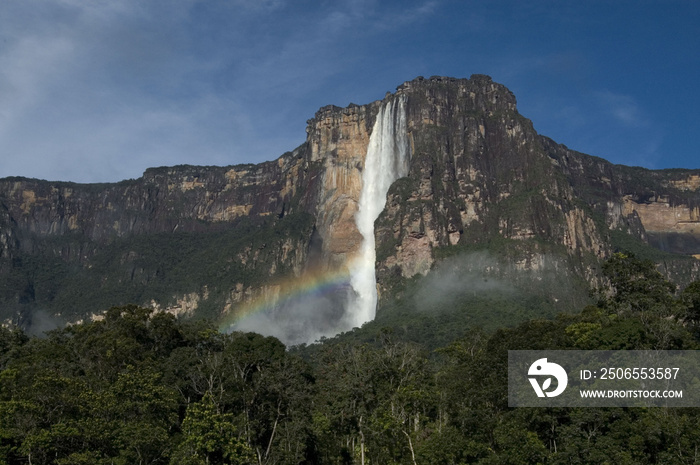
x: 141, y: 387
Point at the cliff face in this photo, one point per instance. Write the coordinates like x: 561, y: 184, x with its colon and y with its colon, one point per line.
x: 163, y: 200
x: 479, y: 169
x: 123, y: 239
x: 337, y: 139
x: 481, y: 177
x: 206, y: 239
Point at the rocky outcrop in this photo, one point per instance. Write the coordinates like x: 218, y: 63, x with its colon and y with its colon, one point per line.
x: 657, y: 214
x: 669, y: 227
x: 184, y: 198
x: 337, y: 139
x: 478, y: 170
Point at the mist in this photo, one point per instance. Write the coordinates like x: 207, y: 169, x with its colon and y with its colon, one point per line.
x: 38, y: 322
x: 302, y: 320
x: 308, y: 318
x: 478, y: 274
x: 461, y: 276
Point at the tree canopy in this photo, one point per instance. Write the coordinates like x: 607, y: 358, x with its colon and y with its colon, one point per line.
x: 140, y: 387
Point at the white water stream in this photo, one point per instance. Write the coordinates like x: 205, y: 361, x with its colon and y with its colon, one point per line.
x: 387, y: 160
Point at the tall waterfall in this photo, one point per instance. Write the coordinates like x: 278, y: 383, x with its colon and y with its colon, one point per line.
x: 387, y: 160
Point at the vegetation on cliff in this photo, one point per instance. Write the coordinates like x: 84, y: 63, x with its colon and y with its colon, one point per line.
x: 152, y: 267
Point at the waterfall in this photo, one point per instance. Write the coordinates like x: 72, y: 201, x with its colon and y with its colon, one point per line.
x: 387, y: 160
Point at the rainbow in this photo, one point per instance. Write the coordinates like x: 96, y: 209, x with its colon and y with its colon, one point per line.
x: 310, y: 284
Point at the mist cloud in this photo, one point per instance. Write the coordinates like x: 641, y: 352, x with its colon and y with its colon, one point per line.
x: 461, y: 276
x: 38, y: 322
x: 301, y: 320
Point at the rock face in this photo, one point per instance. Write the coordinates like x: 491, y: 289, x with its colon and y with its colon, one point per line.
x: 337, y: 140
x: 480, y: 172
x: 206, y: 240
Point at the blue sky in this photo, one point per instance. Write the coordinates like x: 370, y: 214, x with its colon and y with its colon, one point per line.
x: 100, y: 90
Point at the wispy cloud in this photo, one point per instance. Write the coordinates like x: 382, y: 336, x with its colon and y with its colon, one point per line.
x: 66, y: 85
x: 231, y: 81
x: 403, y: 17
x: 623, y: 108
x: 210, y: 82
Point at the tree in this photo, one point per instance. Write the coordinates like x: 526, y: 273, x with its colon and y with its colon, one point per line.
x: 642, y: 304
x: 210, y: 437
x: 635, y: 286
x: 690, y: 297
x: 270, y: 391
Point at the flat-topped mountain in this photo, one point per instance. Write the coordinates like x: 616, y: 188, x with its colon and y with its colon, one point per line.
x: 484, y: 197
